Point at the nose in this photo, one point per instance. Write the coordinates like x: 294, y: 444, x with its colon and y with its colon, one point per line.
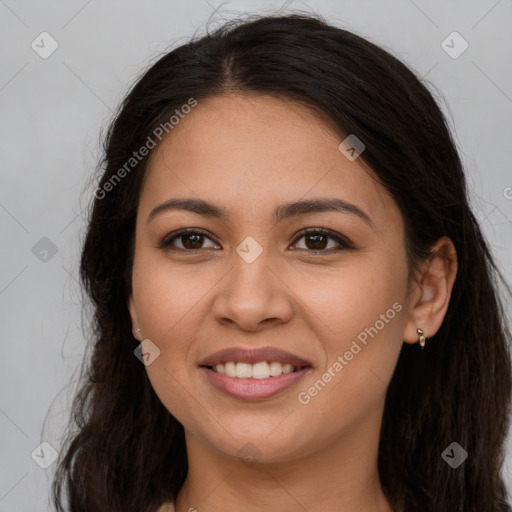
x: 252, y: 296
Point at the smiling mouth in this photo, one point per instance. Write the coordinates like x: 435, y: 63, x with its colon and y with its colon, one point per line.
x: 260, y: 370
x: 258, y: 381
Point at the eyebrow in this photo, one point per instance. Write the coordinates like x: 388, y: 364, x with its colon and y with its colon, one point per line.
x: 282, y: 212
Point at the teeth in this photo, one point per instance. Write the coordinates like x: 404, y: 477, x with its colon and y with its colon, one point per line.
x: 261, y: 370
x: 276, y: 369
x: 229, y: 369
x: 243, y: 370
x: 287, y: 368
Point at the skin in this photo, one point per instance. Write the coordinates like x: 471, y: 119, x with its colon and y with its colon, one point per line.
x: 248, y: 154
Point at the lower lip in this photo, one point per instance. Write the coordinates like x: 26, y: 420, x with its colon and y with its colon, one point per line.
x: 253, y: 389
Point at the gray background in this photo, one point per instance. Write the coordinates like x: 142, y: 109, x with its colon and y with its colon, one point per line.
x: 53, y: 110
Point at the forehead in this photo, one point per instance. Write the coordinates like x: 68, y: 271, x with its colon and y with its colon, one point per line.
x: 251, y: 152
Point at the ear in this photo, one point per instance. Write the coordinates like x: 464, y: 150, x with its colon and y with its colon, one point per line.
x: 135, y: 320
x: 431, y: 291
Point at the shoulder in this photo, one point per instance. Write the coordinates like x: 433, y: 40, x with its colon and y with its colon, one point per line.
x: 167, y: 507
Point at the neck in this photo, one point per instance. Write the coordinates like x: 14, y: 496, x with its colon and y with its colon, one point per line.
x: 342, y: 476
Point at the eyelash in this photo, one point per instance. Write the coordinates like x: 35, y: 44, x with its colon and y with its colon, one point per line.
x: 345, y: 243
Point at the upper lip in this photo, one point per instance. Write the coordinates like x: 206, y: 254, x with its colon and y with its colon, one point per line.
x: 253, y: 356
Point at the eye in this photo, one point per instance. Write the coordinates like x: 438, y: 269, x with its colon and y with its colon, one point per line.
x: 317, y: 240
x: 189, y: 239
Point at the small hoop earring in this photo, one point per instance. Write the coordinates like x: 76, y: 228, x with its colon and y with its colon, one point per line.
x: 421, y: 338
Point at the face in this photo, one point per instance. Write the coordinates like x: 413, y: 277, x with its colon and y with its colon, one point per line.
x: 292, y: 248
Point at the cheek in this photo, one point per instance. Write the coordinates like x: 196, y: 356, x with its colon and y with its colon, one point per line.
x: 170, y: 301
x: 362, y: 312
x: 168, y: 295
x: 352, y: 297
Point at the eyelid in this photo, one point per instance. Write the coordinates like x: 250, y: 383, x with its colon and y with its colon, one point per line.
x: 165, y: 242
x: 343, y: 241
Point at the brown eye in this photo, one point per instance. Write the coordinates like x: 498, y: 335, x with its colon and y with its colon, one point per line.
x: 187, y: 240
x: 316, y: 242
x: 192, y: 241
x: 323, y: 240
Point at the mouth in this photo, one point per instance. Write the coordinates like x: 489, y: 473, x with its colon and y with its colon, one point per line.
x: 260, y: 370
x: 254, y: 374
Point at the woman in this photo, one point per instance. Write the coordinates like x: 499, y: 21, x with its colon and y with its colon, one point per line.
x: 282, y: 237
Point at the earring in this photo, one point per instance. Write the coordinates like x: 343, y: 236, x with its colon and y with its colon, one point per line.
x: 138, y: 330
x: 421, y: 338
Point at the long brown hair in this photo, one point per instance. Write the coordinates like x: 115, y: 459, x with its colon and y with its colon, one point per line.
x: 125, y: 451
